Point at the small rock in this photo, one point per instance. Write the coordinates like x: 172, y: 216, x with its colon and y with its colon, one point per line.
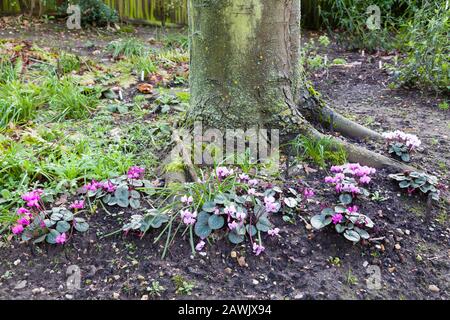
x: 407, y: 232
x: 431, y: 229
x: 16, y: 262
x: 116, y: 277
x: 365, y: 264
x: 22, y: 284
x: 116, y: 295
x: 228, y: 270
x: 241, y: 262
x: 433, y: 288
x: 397, y: 246
x: 141, y: 277
x: 400, y: 231
x: 299, y: 296
x: 69, y: 296
x: 144, y: 297
x: 255, y: 282
x: 233, y: 254
x: 392, y: 269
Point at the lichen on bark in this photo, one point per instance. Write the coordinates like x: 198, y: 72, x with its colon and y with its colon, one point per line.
x: 244, y: 62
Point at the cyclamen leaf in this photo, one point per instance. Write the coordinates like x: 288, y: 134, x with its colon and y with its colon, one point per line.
x: 216, y: 222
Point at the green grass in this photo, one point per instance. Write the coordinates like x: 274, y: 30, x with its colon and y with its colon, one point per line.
x: 322, y: 152
x: 19, y: 102
x: 130, y: 47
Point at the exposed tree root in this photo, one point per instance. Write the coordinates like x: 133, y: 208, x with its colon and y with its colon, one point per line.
x: 316, y: 110
x: 358, y: 154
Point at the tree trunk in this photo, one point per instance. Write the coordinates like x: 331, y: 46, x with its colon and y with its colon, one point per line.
x: 244, y: 61
x: 245, y: 72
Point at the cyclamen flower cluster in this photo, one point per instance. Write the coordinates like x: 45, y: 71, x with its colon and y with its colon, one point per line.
x: 33, y: 198
x: 77, y: 204
x: 410, y: 140
x: 258, y: 249
x: 223, y: 172
x: 188, y: 217
x: 94, y: 185
x: 271, y: 205
x: 349, y: 176
x: 33, y: 201
x: 135, y: 172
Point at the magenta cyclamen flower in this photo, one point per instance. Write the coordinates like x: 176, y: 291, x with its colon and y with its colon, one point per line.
x: 352, y: 209
x: 188, y: 217
x: 337, y: 218
x: 231, y: 210
x: 32, y: 198
x: 108, y: 186
x: 187, y: 199
x: 23, y: 211
x: 77, y: 204
x: 135, y: 172
x: 233, y: 225
x: 273, y: 232
x: 240, y: 215
x: 93, y: 186
x: 17, y: 229
x: 258, y: 249
x: 365, y: 179
x: 23, y: 221
x: 223, y: 172
x: 308, y: 193
x: 243, y: 177
x: 270, y: 204
x: 61, y: 238
x: 200, y: 245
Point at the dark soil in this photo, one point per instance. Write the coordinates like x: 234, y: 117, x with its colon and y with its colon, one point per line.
x: 412, y: 253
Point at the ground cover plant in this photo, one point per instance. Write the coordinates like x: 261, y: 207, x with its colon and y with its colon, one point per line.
x: 87, y: 121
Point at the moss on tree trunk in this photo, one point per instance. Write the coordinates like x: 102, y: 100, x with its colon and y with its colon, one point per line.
x: 244, y: 61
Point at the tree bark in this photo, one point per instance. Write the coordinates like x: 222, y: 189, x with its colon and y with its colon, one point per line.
x: 245, y: 73
x: 244, y: 61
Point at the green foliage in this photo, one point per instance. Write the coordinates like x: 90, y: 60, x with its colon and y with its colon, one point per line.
x: 19, y: 102
x: 351, y: 223
x: 321, y: 152
x: 130, y: 47
x: 182, y: 286
x: 93, y: 12
x: 9, y: 71
x: 68, y: 63
x: 425, y: 40
x: 347, y: 21
x: 443, y: 106
x: 71, y: 101
x: 418, y: 181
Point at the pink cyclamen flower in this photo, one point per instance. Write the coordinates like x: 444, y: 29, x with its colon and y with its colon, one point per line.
x: 93, y: 186
x: 187, y: 199
x: 330, y: 180
x: 77, y: 204
x: 253, y: 182
x: 243, y: 177
x: 308, y: 193
x: 188, y: 217
x: 258, y: 249
x: 23, y: 221
x: 251, y: 191
x: 17, y: 229
x: 365, y: 179
x: 336, y: 169
x: 240, y: 215
x: 61, y: 238
x: 108, y: 186
x: 23, y: 210
x: 223, y: 172
x: 231, y: 210
x: 337, y: 218
x: 200, y: 245
x: 273, y: 232
x: 233, y: 225
x: 352, y: 209
x: 136, y: 172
